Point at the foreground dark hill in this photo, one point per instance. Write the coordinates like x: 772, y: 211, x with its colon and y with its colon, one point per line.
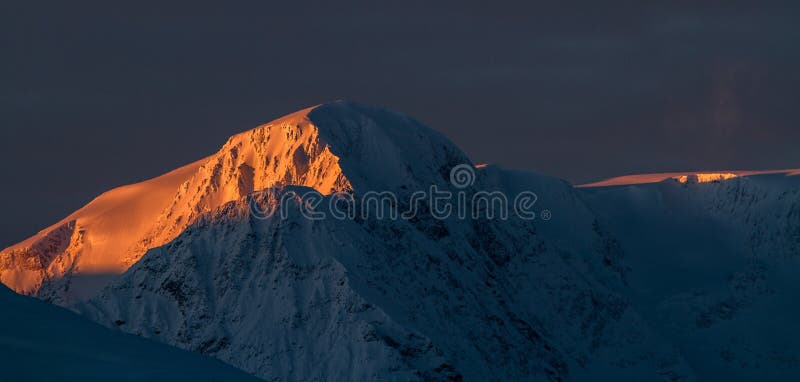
x: 42, y: 342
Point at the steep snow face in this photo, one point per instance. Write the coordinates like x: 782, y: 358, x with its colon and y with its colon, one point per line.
x: 713, y: 267
x: 333, y: 147
x: 417, y: 299
x: 42, y: 342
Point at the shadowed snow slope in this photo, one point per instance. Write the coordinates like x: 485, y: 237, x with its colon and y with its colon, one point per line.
x: 42, y: 342
x: 714, y: 268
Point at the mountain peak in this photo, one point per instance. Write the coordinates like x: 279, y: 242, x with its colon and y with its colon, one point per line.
x: 337, y: 146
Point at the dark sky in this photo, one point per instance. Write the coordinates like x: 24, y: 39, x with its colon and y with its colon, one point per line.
x: 96, y: 95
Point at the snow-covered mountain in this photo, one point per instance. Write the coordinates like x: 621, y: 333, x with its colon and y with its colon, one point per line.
x: 442, y: 299
x: 42, y: 342
x: 625, y: 281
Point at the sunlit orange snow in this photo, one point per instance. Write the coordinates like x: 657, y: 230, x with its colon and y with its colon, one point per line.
x: 113, y: 231
x: 684, y: 177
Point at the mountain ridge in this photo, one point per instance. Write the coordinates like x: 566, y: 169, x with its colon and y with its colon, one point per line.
x: 706, y: 176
